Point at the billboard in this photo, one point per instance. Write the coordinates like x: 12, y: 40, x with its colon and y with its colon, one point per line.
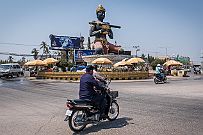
x: 64, y: 42
x: 79, y: 53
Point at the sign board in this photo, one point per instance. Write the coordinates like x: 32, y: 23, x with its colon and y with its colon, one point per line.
x: 79, y: 53
x: 64, y: 42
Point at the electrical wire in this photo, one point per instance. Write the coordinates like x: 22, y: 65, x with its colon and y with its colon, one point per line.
x: 18, y: 44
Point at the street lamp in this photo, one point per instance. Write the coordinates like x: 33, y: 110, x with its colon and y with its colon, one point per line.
x: 136, y: 49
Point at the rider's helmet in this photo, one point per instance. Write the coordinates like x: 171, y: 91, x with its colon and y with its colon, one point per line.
x: 158, y: 65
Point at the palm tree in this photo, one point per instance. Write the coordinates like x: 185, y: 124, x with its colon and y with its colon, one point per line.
x: 143, y: 56
x: 10, y: 59
x: 45, y: 48
x: 23, y: 59
x: 35, y: 53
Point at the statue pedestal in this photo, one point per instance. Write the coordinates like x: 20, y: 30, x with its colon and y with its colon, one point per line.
x: 114, y: 58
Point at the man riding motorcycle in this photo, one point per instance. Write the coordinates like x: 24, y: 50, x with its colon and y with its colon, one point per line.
x: 94, y: 100
x: 87, y: 91
x: 159, y: 72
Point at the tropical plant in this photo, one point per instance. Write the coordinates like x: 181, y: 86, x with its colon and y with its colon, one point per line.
x: 10, y: 59
x: 3, y: 61
x: 23, y: 59
x: 35, y: 53
x: 157, y: 61
x: 45, y: 48
x: 150, y: 59
x: 143, y: 56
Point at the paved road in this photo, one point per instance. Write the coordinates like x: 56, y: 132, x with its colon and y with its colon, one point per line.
x: 37, y: 107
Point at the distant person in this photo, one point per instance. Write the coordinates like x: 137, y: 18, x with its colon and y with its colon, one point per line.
x: 159, y: 71
x: 169, y: 70
x: 66, y: 69
x: 73, y: 69
x: 55, y: 68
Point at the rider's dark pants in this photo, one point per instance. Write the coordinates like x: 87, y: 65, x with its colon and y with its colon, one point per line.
x: 160, y: 76
x: 100, y: 102
x: 107, y: 105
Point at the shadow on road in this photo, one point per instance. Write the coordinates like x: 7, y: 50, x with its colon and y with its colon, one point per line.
x: 118, y: 123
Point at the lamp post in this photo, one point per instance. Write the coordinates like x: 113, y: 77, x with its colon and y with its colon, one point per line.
x: 136, y: 49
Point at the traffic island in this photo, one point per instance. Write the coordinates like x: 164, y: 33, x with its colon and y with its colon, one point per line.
x: 75, y: 76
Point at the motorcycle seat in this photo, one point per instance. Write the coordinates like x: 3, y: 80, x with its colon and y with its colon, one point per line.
x: 157, y: 75
x: 82, y: 101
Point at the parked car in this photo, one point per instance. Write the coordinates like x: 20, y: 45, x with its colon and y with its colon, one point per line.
x: 77, y: 68
x: 10, y: 70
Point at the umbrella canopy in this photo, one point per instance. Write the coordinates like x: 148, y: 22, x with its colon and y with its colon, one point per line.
x: 27, y: 63
x: 172, y: 63
x: 135, y: 60
x: 35, y: 63
x: 101, y: 61
x: 50, y: 61
x: 122, y: 63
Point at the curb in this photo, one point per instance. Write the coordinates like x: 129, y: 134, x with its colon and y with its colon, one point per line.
x: 170, y: 78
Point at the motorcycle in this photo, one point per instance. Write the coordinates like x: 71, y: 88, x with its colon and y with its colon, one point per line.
x: 80, y: 112
x: 158, y: 79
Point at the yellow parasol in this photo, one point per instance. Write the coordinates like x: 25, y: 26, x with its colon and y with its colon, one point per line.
x: 172, y: 63
x: 122, y: 63
x: 135, y: 60
x: 50, y: 61
x: 35, y: 63
x: 101, y: 61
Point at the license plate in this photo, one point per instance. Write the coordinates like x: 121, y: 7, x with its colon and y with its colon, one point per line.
x: 68, y: 112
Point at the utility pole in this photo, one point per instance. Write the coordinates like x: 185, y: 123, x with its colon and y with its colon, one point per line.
x: 166, y: 48
x: 201, y: 56
x: 136, y: 49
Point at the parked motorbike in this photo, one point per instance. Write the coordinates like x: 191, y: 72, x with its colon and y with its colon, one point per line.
x: 158, y: 79
x: 80, y: 112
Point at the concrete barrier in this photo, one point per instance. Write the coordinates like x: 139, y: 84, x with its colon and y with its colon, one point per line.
x: 74, y: 76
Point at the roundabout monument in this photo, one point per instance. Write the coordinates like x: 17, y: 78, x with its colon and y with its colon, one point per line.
x: 100, y: 30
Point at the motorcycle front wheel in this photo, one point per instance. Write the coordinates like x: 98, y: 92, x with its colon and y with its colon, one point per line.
x: 165, y: 80
x: 113, y: 111
x: 77, y: 121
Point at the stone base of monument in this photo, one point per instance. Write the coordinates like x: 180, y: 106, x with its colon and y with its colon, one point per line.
x: 113, y: 58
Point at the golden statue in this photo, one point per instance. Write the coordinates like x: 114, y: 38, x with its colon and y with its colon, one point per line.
x: 100, y: 29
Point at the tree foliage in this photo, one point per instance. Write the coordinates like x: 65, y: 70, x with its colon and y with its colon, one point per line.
x: 157, y: 61
x: 35, y: 53
x: 45, y: 49
x: 10, y: 59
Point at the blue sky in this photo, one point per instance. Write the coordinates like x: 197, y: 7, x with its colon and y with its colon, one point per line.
x: 154, y: 25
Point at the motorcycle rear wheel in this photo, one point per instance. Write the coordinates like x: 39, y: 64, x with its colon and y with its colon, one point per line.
x: 156, y: 81
x: 76, y: 121
x: 113, y: 111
